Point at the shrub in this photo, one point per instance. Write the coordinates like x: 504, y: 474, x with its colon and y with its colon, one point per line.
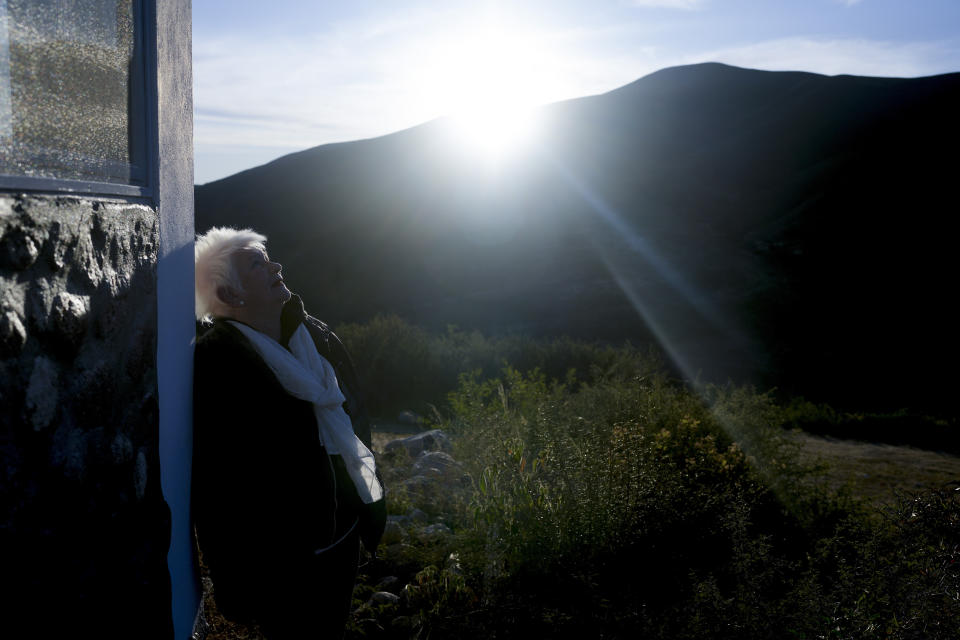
x: 608, y: 500
x: 403, y: 367
x: 615, y: 482
x: 911, y: 428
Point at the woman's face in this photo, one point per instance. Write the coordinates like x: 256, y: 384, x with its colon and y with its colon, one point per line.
x: 263, y: 287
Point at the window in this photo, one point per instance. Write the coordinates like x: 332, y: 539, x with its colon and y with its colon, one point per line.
x: 73, y: 96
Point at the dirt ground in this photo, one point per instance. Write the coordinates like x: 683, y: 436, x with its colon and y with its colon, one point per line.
x: 878, y: 471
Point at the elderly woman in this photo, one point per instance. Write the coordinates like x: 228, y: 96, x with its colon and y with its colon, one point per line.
x: 285, y: 485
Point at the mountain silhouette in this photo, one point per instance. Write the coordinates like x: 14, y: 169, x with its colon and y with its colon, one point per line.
x: 782, y: 228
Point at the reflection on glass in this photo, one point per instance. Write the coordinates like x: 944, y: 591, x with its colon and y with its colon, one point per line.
x: 6, y: 124
x: 69, y: 83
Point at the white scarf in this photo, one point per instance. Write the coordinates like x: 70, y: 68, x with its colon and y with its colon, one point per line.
x: 307, y: 375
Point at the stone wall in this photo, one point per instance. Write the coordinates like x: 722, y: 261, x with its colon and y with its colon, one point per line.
x: 83, y: 526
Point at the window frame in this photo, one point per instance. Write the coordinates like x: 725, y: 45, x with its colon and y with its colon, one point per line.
x: 143, y: 105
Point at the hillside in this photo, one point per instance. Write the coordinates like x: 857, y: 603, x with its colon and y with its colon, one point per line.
x: 788, y: 229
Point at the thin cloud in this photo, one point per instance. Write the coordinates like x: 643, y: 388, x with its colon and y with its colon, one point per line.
x: 687, y: 5
x: 320, y: 90
x: 312, y: 92
x: 363, y: 80
x: 360, y: 79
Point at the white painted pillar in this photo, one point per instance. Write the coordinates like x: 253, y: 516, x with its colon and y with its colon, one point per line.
x: 175, y: 298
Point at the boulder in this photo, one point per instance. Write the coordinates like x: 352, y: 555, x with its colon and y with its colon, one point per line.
x: 433, y: 440
x: 384, y: 597
x: 416, y: 515
x: 422, y: 487
x: 389, y: 583
x: 438, y: 462
x: 433, y: 533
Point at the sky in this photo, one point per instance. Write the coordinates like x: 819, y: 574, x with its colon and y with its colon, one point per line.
x: 279, y: 76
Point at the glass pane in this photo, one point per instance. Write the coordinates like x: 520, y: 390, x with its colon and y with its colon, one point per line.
x: 69, y: 82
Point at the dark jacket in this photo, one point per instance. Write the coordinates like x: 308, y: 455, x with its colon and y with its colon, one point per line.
x: 266, y: 495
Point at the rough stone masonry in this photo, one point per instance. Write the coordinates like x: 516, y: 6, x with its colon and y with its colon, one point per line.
x: 83, y: 526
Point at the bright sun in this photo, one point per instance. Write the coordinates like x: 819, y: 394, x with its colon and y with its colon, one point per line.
x: 488, y: 82
x: 494, y: 129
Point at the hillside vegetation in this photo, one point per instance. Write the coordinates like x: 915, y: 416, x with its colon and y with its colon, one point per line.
x: 605, y: 499
x: 404, y: 366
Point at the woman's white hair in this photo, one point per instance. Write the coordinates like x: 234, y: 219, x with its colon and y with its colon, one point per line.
x: 214, y: 266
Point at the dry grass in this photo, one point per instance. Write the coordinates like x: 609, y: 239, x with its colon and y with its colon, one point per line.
x: 878, y: 471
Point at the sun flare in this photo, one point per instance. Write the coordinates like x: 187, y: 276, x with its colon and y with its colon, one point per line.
x: 488, y: 82
x: 494, y: 130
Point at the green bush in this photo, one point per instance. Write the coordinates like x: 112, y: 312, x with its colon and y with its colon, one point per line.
x: 633, y: 507
x: 403, y: 367
x: 631, y: 473
x: 903, y: 427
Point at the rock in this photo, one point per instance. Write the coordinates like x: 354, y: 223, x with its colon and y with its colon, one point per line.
x: 393, y: 532
x: 389, y: 583
x: 409, y: 417
x: 433, y: 440
x: 438, y: 461
x: 416, y: 515
x: 397, y: 550
x: 384, y: 597
x: 121, y: 449
x: 19, y: 249
x: 422, y: 487
x: 69, y: 316
x: 140, y: 475
x: 433, y: 533
x: 68, y: 450
x: 42, y: 397
x: 13, y: 335
x: 59, y: 253
x: 39, y: 303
